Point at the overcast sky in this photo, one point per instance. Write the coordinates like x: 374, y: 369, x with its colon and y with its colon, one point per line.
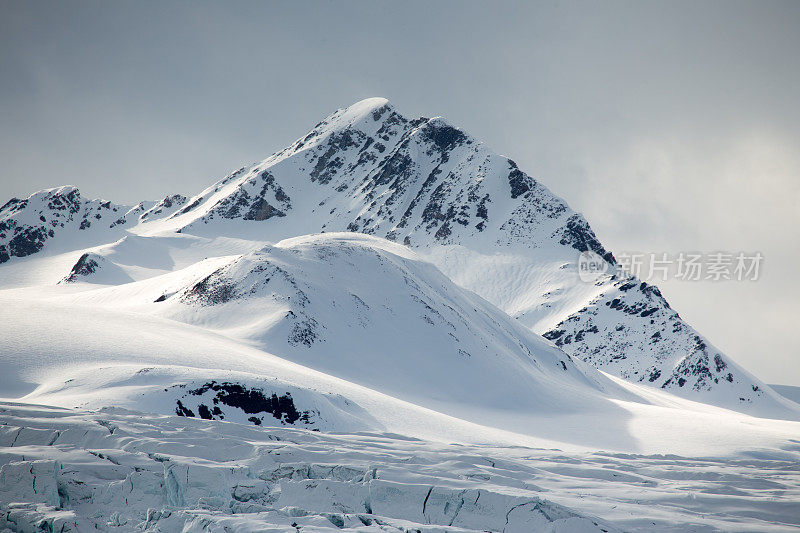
x: 672, y: 126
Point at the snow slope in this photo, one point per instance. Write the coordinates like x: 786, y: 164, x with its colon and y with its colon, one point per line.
x: 788, y: 391
x: 215, y: 363
x: 322, y: 452
x: 289, y: 320
x: 369, y: 311
x: 425, y: 183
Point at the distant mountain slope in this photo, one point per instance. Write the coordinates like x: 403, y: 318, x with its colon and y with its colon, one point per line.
x: 485, y: 223
x: 788, y: 391
x: 631, y: 331
x: 26, y: 225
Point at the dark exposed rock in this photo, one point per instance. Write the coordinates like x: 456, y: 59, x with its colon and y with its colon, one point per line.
x: 189, y: 207
x: 167, y: 203
x: 553, y: 334
x: 180, y: 410
x: 14, y: 204
x: 519, y: 182
x: 85, y: 266
x: 303, y: 331
x: 212, y: 290
x: 443, y: 232
x: 70, y: 201
x: 397, y: 169
x: 579, y: 235
x: 27, y: 240
x: 443, y: 137
x: 250, y: 400
x: 262, y: 210
x: 330, y: 161
x: 255, y: 206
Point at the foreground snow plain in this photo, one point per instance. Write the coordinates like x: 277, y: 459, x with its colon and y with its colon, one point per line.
x: 118, y: 470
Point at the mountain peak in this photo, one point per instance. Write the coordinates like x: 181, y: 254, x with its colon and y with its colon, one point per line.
x: 367, y: 105
x: 63, y: 190
x: 367, y: 110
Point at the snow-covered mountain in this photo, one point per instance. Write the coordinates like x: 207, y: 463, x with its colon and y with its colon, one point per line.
x: 62, y: 219
x: 369, y: 311
x: 346, y: 335
x: 422, y: 182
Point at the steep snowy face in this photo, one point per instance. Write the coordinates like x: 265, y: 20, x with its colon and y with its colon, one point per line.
x: 369, y: 311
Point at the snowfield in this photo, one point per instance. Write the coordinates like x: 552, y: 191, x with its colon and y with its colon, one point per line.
x: 379, y: 328
x: 119, y: 470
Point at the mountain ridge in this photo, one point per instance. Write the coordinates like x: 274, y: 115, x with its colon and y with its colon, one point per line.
x: 485, y: 223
